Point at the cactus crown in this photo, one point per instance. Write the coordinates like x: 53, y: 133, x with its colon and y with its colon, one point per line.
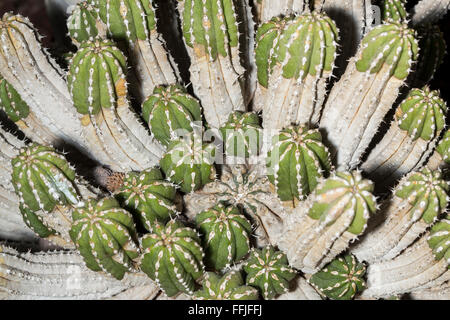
x: 444, y: 147
x: 149, y: 196
x: 11, y: 102
x: 229, y: 287
x: 268, y: 270
x: 392, y: 44
x: 394, y: 11
x: 172, y: 256
x: 241, y: 134
x: 226, y: 235
x: 296, y: 161
x: 105, y: 236
x: 96, y: 76
x: 127, y: 20
x: 426, y: 191
x: 422, y: 114
x: 189, y: 162
x: 210, y: 26
x: 168, y: 109
x: 439, y: 239
x: 82, y: 23
x: 43, y: 179
x: 341, y: 279
x: 344, y: 195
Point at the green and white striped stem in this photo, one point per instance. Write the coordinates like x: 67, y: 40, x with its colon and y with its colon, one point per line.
x: 441, y: 156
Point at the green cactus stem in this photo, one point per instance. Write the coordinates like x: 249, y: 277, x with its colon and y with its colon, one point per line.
x: 226, y: 234
x: 11, y: 103
x: 341, y: 279
x: 228, y: 287
x: 189, y: 162
x: 171, y: 108
x: 411, y: 139
x: 429, y: 11
x: 242, y: 135
x: 97, y: 83
x: 296, y: 162
x: 210, y: 31
x: 63, y: 275
x: 439, y: 240
x: 417, y: 202
x: 302, y: 291
x: 134, y: 23
x: 105, y: 236
x: 370, y: 85
x: 394, y: 11
x: 432, y: 52
x: 269, y: 271
x: 149, y: 196
x: 297, y: 73
x: 441, y: 156
x: 84, y: 23
x: 415, y: 268
x: 334, y: 215
x: 248, y: 188
x: 268, y: 9
x: 172, y: 256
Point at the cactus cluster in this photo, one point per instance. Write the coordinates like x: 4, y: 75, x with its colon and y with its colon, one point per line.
x: 234, y: 150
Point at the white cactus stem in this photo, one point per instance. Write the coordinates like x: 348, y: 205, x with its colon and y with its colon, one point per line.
x: 441, y: 292
x: 429, y: 11
x: 302, y: 291
x: 267, y: 9
x: 412, y: 269
x: 63, y: 275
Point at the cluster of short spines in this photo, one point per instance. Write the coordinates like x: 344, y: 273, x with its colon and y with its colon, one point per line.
x: 345, y: 195
x: 439, y: 240
x: 427, y: 193
x: 422, y: 114
x: 394, y: 11
x: 268, y: 270
x: 432, y: 52
x: 172, y: 256
x: 11, y: 102
x: 296, y: 161
x: 267, y: 40
x: 242, y: 134
x: 83, y: 22
x: 189, y: 162
x: 211, y: 24
x: 149, y: 196
x: 226, y: 235
x: 391, y: 43
x: 105, y: 236
x: 230, y: 286
x: 341, y: 279
x: 170, y: 112
x: 43, y: 179
x: 96, y: 77
x: 128, y: 20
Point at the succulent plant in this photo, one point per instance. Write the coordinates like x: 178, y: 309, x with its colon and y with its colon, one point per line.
x: 269, y: 271
x: 116, y: 106
x: 417, y: 202
x: 341, y: 279
x: 189, y: 162
x: 296, y: 162
x: 228, y: 287
x: 172, y: 256
x: 170, y: 109
x: 226, y: 235
x: 242, y: 134
x: 149, y: 196
x: 105, y: 236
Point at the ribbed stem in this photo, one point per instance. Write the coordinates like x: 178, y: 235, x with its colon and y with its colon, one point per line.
x: 267, y: 9
x: 429, y: 11
x: 302, y: 290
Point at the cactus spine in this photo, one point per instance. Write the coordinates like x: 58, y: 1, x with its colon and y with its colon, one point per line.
x: 411, y: 138
x: 210, y: 31
x: 334, y: 215
x: 417, y: 202
x: 358, y: 103
x: 226, y: 235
